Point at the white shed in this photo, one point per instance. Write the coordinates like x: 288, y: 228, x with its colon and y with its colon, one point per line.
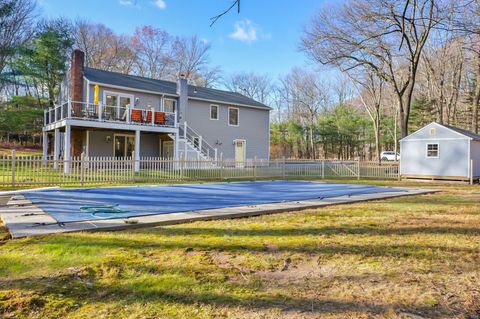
x: 439, y: 151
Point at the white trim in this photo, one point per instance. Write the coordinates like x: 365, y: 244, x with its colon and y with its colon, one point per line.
x: 436, y: 139
x: 88, y: 92
x: 438, y: 150
x: 110, y: 125
x: 218, y: 112
x: 238, y: 116
x: 119, y: 87
x: 121, y: 134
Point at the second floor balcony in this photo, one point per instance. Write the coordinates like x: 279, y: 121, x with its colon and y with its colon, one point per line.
x: 112, y: 114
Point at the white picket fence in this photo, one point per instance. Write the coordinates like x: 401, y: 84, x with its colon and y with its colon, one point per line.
x: 36, y: 170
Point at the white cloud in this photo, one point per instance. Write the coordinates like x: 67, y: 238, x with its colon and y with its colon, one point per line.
x: 160, y: 4
x: 128, y: 3
x: 245, y: 31
x: 248, y: 32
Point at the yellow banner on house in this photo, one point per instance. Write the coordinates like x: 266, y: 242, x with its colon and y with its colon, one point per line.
x: 95, y: 94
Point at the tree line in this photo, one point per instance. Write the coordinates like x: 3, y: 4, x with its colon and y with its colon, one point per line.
x: 379, y: 70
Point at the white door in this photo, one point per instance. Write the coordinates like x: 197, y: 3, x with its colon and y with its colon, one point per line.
x: 240, y: 153
x: 167, y: 149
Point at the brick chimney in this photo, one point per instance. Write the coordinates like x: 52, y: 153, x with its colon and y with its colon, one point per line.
x: 76, y: 94
x: 182, y: 91
x: 76, y: 75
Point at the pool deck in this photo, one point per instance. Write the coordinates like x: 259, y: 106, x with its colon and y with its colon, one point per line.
x: 23, y: 219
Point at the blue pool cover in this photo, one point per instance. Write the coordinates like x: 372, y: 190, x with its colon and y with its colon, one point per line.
x: 64, y: 204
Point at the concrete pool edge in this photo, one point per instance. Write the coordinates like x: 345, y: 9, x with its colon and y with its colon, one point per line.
x: 23, y: 219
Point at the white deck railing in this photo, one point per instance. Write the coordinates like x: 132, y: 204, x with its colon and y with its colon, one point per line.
x: 197, y: 141
x: 108, y: 113
x: 36, y: 171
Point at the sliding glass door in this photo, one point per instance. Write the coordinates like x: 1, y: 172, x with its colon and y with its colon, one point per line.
x: 124, y: 145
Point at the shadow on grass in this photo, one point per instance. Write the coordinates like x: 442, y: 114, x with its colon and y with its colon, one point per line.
x: 147, y: 287
x: 320, y: 231
x: 168, y: 238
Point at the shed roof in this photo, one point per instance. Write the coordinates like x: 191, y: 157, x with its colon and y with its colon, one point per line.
x: 456, y: 130
x: 168, y: 87
x: 464, y: 132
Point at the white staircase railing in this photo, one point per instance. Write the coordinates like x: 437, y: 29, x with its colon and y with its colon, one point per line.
x: 197, y: 142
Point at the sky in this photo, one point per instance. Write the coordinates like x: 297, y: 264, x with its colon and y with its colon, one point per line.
x: 263, y: 38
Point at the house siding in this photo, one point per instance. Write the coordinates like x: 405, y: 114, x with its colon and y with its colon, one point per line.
x: 253, y: 127
x: 253, y: 124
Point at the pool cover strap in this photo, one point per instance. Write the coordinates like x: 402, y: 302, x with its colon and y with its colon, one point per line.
x: 103, y: 209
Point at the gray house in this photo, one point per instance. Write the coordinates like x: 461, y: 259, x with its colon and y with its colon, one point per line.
x: 440, y: 152
x: 109, y: 114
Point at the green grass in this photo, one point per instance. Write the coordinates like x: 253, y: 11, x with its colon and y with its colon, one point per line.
x: 412, y: 256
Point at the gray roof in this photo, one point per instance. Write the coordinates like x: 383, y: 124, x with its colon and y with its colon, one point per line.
x: 464, y: 132
x: 168, y: 87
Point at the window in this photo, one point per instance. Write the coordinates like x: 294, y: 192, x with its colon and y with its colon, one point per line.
x: 233, y: 116
x: 115, y: 105
x: 169, y: 105
x: 432, y: 150
x: 214, y: 112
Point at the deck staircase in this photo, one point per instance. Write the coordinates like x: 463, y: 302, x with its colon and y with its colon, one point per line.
x: 193, y: 146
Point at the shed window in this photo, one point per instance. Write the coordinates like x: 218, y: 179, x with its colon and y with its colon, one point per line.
x: 432, y: 150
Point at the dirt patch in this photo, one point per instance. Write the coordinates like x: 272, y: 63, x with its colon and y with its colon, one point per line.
x: 292, y: 272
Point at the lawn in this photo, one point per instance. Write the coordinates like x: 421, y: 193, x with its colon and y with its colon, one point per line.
x: 412, y: 257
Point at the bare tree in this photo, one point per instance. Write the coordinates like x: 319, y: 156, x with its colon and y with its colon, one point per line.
x: 103, y: 48
x: 308, y: 96
x: 467, y: 24
x: 385, y: 36
x: 255, y: 86
x: 443, y: 69
x: 371, y: 91
x: 152, y: 56
x: 16, y: 22
x: 189, y: 56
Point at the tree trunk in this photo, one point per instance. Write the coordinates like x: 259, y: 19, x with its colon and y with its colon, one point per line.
x: 476, y: 98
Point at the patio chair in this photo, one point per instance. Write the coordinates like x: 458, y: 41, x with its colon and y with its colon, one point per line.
x: 160, y: 118
x: 136, y: 115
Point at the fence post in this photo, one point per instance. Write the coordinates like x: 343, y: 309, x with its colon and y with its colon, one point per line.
x: 133, y: 166
x: 255, y: 168
x: 13, y: 167
x: 82, y: 169
x: 283, y: 167
x: 182, y: 163
x: 399, y: 176
x: 358, y: 167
